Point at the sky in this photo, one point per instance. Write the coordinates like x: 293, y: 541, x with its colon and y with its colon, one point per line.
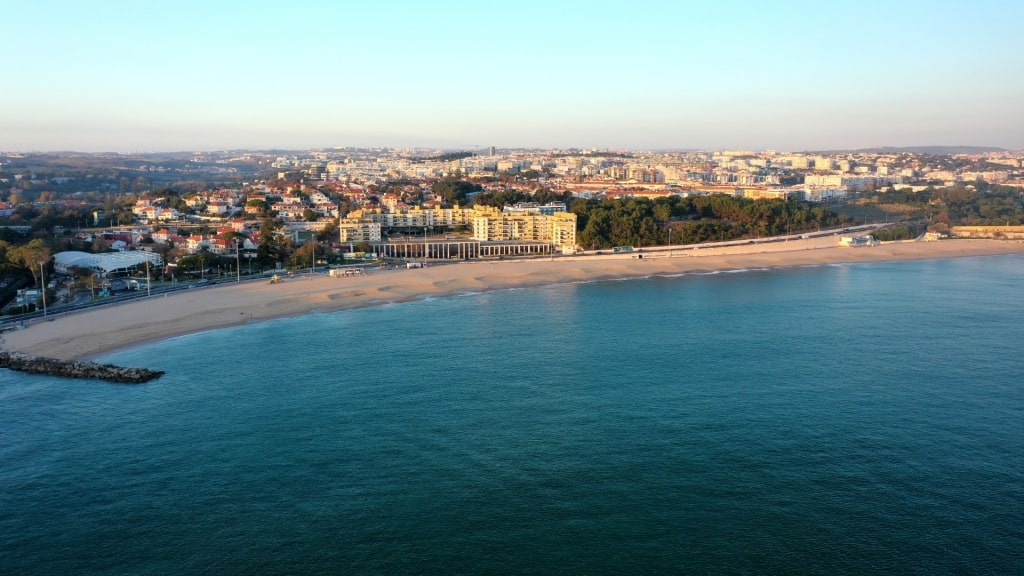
x: 183, y: 75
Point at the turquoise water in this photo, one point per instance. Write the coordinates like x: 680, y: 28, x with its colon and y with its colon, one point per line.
x: 864, y: 419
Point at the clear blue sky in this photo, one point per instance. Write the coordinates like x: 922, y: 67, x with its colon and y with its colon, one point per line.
x: 97, y: 75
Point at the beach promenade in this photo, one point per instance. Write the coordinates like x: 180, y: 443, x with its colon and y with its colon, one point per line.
x: 95, y: 331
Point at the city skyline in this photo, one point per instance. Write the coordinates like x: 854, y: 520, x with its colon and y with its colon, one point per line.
x: 120, y: 77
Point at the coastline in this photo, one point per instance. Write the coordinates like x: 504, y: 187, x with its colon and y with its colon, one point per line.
x: 89, y: 333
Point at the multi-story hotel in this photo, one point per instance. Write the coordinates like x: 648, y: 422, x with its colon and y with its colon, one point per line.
x: 558, y: 228
x: 542, y: 224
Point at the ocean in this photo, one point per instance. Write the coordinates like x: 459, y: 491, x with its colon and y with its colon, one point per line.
x: 850, y: 419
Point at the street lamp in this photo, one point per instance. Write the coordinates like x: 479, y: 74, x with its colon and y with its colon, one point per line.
x: 669, y: 241
x: 42, y: 282
x: 238, y: 260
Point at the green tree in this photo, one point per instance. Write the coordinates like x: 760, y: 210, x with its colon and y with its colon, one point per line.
x: 328, y: 232
x: 663, y: 211
x: 193, y: 263
x: 261, y: 206
x: 30, y: 256
x: 303, y: 255
x: 272, y: 248
x: 454, y: 191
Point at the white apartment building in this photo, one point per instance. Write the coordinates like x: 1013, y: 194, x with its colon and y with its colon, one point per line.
x: 558, y: 229
x: 858, y: 182
x: 358, y: 230
x: 824, y: 193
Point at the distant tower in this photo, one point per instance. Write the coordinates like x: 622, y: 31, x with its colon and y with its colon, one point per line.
x: 491, y: 151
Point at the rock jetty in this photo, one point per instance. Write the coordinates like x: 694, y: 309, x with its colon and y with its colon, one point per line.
x: 74, y: 369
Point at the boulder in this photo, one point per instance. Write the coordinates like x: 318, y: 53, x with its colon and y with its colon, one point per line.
x: 76, y: 369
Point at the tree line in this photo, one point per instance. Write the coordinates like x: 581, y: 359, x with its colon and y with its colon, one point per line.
x: 974, y: 204
x: 603, y: 223
x: 691, y: 220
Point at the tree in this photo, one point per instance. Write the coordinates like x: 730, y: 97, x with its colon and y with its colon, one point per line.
x: 163, y: 250
x: 663, y: 211
x: 328, y: 232
x: 454, y: 191
x: 30, y: 256
x: 303, y: 256
x: 82, y: 276
x: 271, y: 248
x: 193, y: 262
x: 261, y: 206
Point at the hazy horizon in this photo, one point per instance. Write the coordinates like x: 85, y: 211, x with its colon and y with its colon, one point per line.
x: 500, y: 148
x: 115, y: 76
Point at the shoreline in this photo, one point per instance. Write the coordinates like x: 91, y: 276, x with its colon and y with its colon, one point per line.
x: 94, y: 332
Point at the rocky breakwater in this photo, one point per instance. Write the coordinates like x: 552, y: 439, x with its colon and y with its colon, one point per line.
x: 74, y: 369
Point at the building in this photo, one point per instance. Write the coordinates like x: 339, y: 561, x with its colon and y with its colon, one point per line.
x: 106, y: 263
x: 857, y: 183
x: 852, y: 241
x: 535, y: 208
x: 823, y: 193
x: 772, y: 193
x: 417, y: 217
x: 358, y: 230
x: 558, y: 229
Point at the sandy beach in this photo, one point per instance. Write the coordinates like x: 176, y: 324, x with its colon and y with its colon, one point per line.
x: 92, y: 332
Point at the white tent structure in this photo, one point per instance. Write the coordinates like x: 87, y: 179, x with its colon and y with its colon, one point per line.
x: 106, y: 263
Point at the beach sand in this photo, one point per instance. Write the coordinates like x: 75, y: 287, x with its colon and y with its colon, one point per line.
x: 95, y: 331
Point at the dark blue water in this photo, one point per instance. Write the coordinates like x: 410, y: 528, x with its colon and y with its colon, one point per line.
x: 863, y: 419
